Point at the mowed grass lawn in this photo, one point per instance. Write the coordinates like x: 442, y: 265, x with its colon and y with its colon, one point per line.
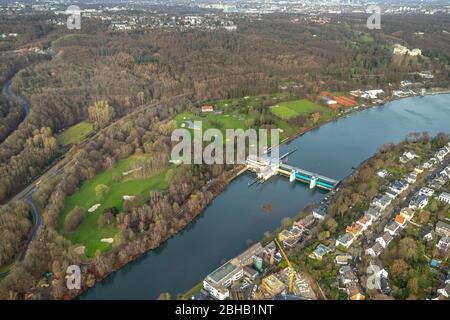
x: 90, y: 233
x: 291, y: 109
x: 75, y: 133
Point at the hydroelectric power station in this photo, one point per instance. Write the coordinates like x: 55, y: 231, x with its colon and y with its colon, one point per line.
x: 266, y: 167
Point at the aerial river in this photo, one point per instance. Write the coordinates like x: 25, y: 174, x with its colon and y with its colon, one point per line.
x: 236, y: 217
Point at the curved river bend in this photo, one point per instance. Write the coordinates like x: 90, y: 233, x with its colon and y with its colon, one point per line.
x: 236, y: 216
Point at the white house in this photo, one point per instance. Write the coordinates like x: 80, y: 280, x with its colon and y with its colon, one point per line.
x: 383, y: 202
x: 320, y: 213
x: 382, y: 174
x: 428, y: 192
x: 444, y: 197
x: 217, y: 282
x: 392, y: 228
x: 375, y: 250
x: 445, y: 291
x: 385, y: 239
x: 444, y: 243
x: 418, y: 202
x: 412, y: 177
x: 345, y: 240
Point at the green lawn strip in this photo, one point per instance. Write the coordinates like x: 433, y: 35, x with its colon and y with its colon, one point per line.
x: 90, y: 233
x: 76, y: 133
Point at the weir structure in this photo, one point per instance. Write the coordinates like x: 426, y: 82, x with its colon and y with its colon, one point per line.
x: 266, y: 167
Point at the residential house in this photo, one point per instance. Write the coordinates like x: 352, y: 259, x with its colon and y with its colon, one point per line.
x: 418, y: 169
x: 428, y: 192
x: 354, y: 291
x: 374, y: 211
x: 392, y: 228
x: 442, y: 229
x: 347, y: 275
x: 412, y: 177
x: 384, y: 285
x: 428, y: 164
x: 383, y: 202
x: 365, y: 221
x: 418, y: 202
x: 444, y: 197
x: 445, y: 291
x: 444, y: 243
x: 385, y: 239
x: 320, y: 212
x: 391, y: 194
x: 382, y: 174
x: 345, y: 240
x: 400, y: 220
x: 343, y: 259
x: 407, y: 213
x: 306, y: 222
x: 398, y: 186
x: 375, y: 250
x: 427, y: 233
x: 320, y: 251
x: 408, y: 156
x: 355, y: 229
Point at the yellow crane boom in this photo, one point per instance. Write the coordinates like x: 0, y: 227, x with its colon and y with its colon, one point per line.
x: 291, y: 268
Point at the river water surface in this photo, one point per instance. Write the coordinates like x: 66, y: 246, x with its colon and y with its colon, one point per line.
x: 236, y: 217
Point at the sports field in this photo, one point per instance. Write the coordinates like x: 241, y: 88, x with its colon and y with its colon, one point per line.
x: 291, y: 109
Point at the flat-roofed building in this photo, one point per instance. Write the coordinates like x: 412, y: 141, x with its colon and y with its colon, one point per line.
x: 247, y: 257
x: 272, y: 286
x: 216, y: 282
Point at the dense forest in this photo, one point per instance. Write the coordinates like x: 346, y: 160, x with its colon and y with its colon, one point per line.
x: 15, y: 224
x: 132, y: 84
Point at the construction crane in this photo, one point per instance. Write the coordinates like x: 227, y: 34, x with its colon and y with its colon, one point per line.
x: 292, y: 273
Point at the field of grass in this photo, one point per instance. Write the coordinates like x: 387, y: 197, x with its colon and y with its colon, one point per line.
x: 365, y: 38
x: 90, y: 233
x: 291, y: 109
x: 75, y: 134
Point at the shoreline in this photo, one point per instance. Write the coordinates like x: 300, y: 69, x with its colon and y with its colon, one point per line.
x: 236, y: 172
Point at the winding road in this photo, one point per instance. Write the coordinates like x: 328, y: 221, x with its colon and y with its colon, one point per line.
x: 27, y: 194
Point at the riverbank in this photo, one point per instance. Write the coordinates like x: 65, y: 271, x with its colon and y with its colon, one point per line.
x: 209, y: 209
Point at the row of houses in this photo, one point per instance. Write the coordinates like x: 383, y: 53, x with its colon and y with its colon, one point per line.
x: 390, y: 231
x: 376, y: 208
x: 419, y: 201
x: 379, y: 204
